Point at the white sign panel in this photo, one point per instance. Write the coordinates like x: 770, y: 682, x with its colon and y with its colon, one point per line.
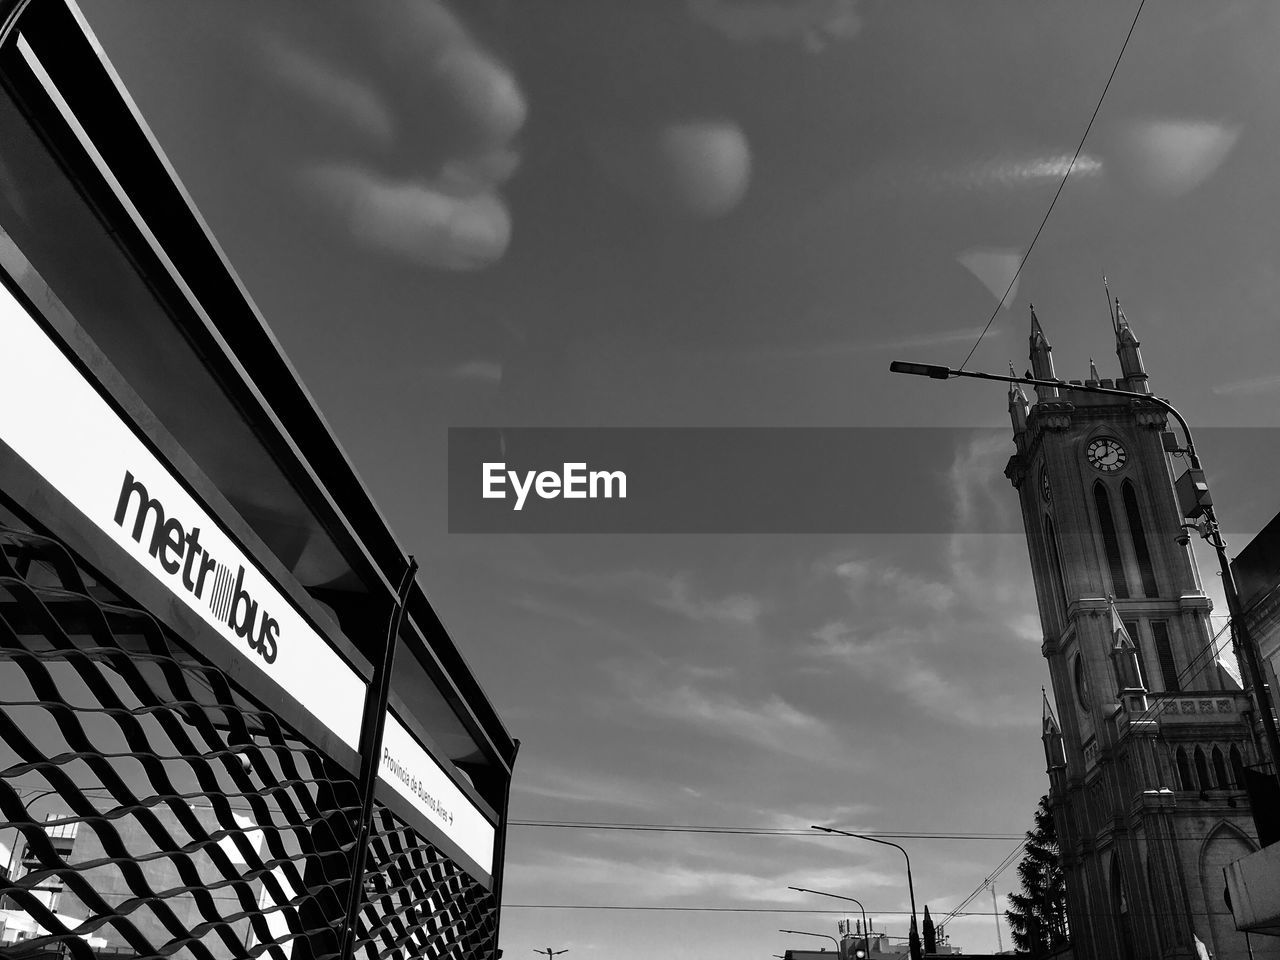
x: 58, y: 423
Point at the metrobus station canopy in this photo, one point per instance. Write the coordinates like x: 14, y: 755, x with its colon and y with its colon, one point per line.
x: 196, y: 589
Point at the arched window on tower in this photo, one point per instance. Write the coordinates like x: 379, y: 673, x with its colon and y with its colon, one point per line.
x: 1136, y: 530
x: 1185, y: 780
x: 1237, y: 766
x: 1055, y: 560
x: 1110, y: 541
x: 1120, y: 905
x: 1164, y: 656
x: 1202, y: 771
x: 1131, y: 628
x: 1220, y: 775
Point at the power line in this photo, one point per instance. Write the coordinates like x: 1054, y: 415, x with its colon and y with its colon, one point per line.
x: 1000, y: 868
x: 1071, y: 166
x: 788, y: 910
x: 745, y: 831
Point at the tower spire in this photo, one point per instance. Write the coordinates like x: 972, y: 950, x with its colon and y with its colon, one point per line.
x: 1041, y: 357
x: 1055, y: 756
x: 1094, y: 375
x: 1127, y: 350
x: 1017, y: 404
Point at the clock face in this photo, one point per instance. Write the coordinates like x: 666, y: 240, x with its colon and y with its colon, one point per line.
x: 1044, y: 486
x: 1106, y: 454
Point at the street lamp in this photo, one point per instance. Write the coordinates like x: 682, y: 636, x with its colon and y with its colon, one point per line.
x: 822, y: 893
x: 806, y: 933
x: 1209, y: 530
x: 914, y: 936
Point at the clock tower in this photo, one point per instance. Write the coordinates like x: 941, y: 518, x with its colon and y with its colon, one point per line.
x: 1146, y: 753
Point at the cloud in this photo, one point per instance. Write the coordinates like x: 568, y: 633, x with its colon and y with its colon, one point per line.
x: 936, y: 639
x: 863, y: 575
x: 1251, y: 387
x: 1015, y: 171
x: 839, y: 350
x: 813, y: 22
x: 480, y: 371
x: 694, y: 168
x: 738, y: 608
x: 639, y: 874
x: 349, y: 100
x: 981, y: 501
x: 416, y: 221
x: 771, y: 723
x: 587, y: 788
x: 997, y: 269
x: 1172, y: 157
x: 350, y: 131
x: 889, y: 658
x: 675, y: 593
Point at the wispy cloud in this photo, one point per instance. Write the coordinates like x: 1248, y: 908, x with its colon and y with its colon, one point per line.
x: 1170, y: 157
x: 996, y: 269
x: 841, y: 350
x: 769, y: 722
x: 934, y: 637
x: 673, y: 592
x: 863, y: 575
x: 1015, y: 171
x: 814, y: 22
x: 586, y: 788
x: 889, y: 658
x: 480, y: 371
x: 739, y: 608
x: 640, y: 875
x: 1255, y: 385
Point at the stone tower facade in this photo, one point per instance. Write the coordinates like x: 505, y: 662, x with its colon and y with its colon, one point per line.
x: 1145, y: 756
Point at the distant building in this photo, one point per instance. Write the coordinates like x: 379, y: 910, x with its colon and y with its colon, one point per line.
x: 1146, y: 758
x: 879, y: 945
x: 16, y: 924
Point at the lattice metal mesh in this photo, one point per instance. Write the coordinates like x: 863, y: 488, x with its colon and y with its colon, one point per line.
x: 156, y: 812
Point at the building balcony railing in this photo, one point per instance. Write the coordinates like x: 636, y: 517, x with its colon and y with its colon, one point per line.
x: 1216, y: 706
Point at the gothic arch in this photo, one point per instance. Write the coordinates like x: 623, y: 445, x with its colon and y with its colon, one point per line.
x: 1237, y: 767
x: 1160, y: 903
x: 1185, y: 780
x: 1220, y: 774
x: 1138, y: 538
x: 1202, y: 770
x: 1223, y: 844
x: 1110, y: 540
x: 1121, y: 907
x: 1055, y: 563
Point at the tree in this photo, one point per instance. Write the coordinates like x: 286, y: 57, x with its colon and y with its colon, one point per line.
x: 1038, y: 916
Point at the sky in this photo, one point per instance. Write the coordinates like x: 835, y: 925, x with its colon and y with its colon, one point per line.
x: 734, y: 213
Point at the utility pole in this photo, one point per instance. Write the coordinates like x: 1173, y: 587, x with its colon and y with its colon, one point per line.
x: 995, y: 910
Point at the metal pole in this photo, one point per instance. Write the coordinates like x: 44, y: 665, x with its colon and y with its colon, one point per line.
x: 1245, y: 640
x: 371, y: 727
x: 836, y: 896
x: 806, y: 933
x: 914, y: 938
x: 995, y: 912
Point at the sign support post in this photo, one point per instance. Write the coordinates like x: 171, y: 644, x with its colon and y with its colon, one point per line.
x: 371, y: 728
